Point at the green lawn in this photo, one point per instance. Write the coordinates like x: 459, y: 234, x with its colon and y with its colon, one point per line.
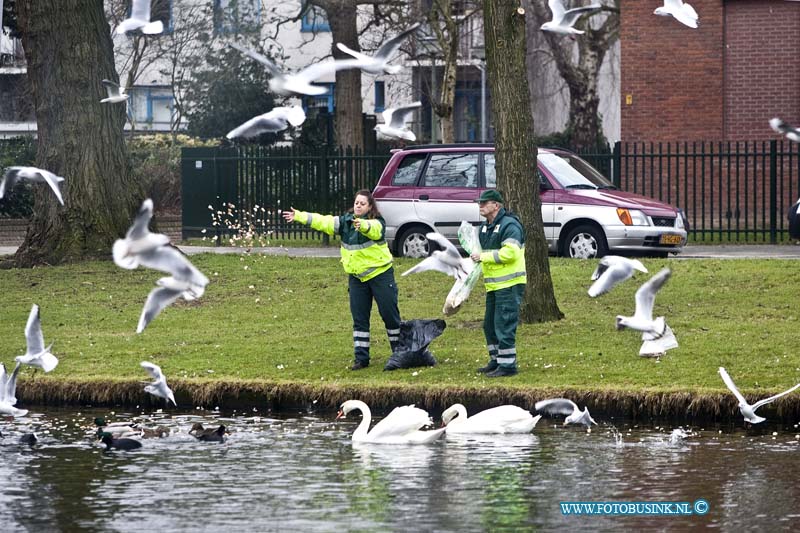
x: 283, y: 320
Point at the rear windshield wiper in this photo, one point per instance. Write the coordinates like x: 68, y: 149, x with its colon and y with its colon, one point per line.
x: 581, y: 186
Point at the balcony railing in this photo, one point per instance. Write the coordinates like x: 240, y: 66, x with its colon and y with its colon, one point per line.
x: 11, y: 53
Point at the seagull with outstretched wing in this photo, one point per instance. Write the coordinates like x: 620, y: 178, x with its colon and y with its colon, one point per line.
x: 642, y: 319
x: 140, y: 20
x: 8, y: 392
x: 612, y: 270
x: 13, y: 174
x: 36, y: 354
x: 446, y: 260
x: 564, y: 19
x: 568, y: 408
x: 139, y: 239
x: 783, y: 127
x: 159, y: 386
x: 680, y: 11
x: 394, y: 126
x: 300, y: 82
x: 747, y: 410
x: 274, y: 121
x: 379, y: 63
x: 116, y: 93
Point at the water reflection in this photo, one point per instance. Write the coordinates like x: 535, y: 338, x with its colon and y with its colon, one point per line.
x: 302, y: 472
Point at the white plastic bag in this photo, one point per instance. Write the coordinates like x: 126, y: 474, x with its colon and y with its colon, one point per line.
x: 468, y: 237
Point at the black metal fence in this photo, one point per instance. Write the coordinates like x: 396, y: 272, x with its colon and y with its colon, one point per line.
x: 234, y: 192
x: 729, y: 191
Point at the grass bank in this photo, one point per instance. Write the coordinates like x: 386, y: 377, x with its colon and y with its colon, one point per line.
x: 277, y: 330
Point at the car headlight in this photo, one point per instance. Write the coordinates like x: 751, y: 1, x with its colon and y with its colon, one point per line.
x: 632, y: 217
x: 679, y: 220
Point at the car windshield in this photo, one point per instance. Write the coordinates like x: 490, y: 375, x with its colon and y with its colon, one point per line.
x: 572, y: 172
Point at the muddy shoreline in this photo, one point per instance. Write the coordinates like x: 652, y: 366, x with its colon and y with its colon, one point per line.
x: 678, y: 407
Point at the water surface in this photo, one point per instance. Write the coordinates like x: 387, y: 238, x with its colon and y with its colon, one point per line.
x: 301, y: 472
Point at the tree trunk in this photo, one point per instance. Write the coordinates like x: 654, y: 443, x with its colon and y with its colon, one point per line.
x: 349, y: 122
x: 68, y: 50
x: 446, y: 30
x: 581, y: 76
x: 584, y: 117
x: 515, y: 149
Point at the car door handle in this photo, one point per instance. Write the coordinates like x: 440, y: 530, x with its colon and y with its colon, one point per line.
x: 424, y: 197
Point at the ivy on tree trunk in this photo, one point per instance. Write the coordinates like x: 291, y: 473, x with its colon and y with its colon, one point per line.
x: 68, y: 51
x: 515, y: 149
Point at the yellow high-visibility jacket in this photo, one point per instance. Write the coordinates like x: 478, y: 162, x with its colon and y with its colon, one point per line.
x: 503, y: 256
x: 364, y: 252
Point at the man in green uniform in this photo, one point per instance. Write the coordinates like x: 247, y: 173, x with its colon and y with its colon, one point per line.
x: 503, y: 264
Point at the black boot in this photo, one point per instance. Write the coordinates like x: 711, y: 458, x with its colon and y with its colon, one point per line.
x: 358, y: 365
x: 502, y: 372
x: 491, y: 367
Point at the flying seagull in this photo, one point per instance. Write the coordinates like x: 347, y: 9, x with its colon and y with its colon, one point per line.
x: 14, y: 174
x: 394, y: 123
x: 8, y: 392
x: 563, y: 20
x: 186, y: 281
x: 116, y: 93
x: 300, y: 82
x: 747, y: 410
x: 159, y: 386
x: 642, y: 319
x: 791, y: 133
x: 138, y: 239
x: 448, y: 261
x: 152, y: 250
x: 379, y: 63
x: 683, y: 13
x: 562, y: 406
x: 276, y: 120
x: 140, y: 20
x: 36, y: 355
x: 611, y: 270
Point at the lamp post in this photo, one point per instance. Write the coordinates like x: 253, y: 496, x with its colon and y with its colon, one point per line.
x: 479, y: 54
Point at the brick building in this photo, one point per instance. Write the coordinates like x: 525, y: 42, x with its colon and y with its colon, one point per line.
x: 720, y: 82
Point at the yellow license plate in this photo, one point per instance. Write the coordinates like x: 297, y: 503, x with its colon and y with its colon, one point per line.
x: 670, y: 239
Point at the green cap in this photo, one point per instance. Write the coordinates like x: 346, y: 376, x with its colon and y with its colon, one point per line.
x: 491, y: 195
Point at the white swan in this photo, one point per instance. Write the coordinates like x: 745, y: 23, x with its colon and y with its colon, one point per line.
x: 502, y: 419
x: 401, y: 426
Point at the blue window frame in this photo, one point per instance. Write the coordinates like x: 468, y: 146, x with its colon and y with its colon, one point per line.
x: 380, y: 96
x: 327, y: 101
x: 148, y: 104
x: 314, y: 19
x: 236, y: 16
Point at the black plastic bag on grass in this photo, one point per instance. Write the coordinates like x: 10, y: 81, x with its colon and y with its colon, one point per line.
x: 412, y: 349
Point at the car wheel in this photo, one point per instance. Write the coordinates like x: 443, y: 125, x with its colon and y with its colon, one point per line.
x: 585, y: 242
x: 414, y: 243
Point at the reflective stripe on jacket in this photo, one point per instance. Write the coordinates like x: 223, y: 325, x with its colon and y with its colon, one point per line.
x: 364, y: 252
x: 503, y: 256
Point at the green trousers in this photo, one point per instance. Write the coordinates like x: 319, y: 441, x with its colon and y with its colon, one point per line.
x: 500, y: 324
x: 383, y: 289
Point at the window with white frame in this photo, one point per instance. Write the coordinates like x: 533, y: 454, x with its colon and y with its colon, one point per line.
x: 151, y: 105
x: 237, y: 16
